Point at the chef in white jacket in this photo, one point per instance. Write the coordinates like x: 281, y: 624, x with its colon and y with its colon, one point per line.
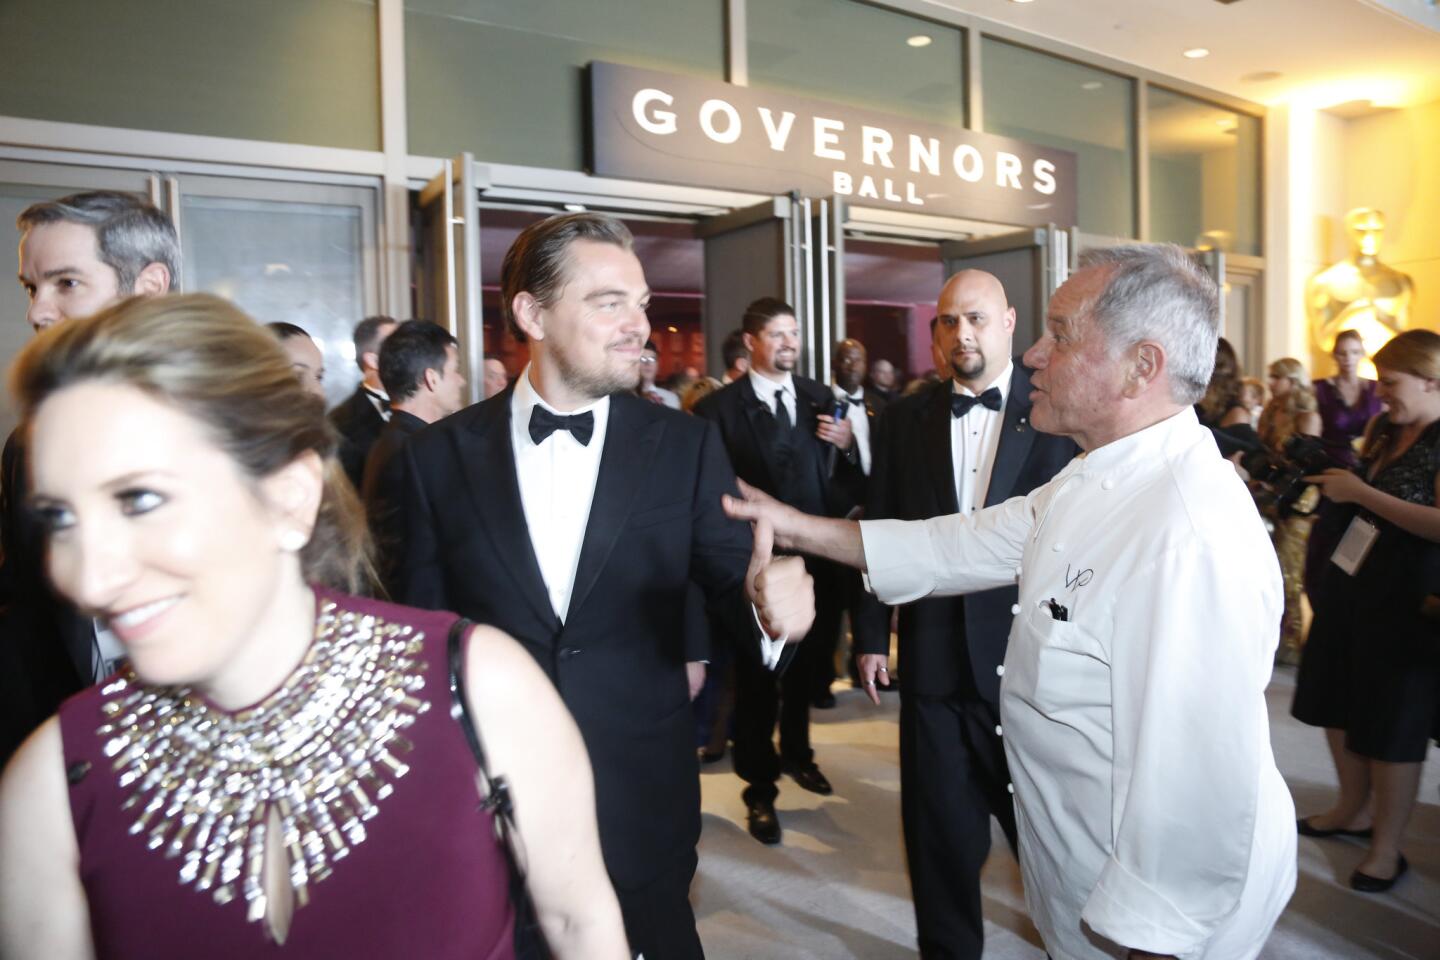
x: 1152, y: 819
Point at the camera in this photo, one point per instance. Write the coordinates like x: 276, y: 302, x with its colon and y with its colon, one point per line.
x: 1278, y: 480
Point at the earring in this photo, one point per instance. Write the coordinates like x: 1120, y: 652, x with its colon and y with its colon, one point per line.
x: 293, y: 541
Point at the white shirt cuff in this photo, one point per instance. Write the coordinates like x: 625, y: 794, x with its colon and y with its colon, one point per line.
x: 770, y: 648
x: 899, y: 562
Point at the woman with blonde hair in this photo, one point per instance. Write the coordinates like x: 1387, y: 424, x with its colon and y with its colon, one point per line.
x: 1372, y: 667
x: 278, y: 768
x: 1290, y: 413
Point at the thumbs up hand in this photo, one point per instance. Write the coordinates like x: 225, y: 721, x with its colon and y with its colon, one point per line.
x: 781, y: 590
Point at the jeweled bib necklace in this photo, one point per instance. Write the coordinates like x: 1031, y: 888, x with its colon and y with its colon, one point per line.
x: 322, y: 751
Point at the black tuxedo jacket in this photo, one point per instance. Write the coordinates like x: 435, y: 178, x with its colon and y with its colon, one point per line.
x: 46, y: 645
x: 382, y: 490
x: 912, y: 477
x: 618, y: 660
x: 359, y: 425
x: 815, y: 481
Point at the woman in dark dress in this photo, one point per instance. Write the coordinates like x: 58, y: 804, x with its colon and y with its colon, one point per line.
x: 1370, y: 670
x: 1347, y: 402
x: 276, y: 772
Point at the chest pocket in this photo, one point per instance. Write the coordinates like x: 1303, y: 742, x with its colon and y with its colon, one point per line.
x: 1069, y: 667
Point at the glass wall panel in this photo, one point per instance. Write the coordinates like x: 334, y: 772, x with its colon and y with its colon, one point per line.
x: 505, y: 79
x: 858, y: 54
x: 284, y: 260
x: 1038, y: 98
x: 1204, y: 173
x: 292, y: 71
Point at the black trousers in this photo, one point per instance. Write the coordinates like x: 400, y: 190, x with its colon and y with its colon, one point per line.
x: 837, y: 592
x: 760, y: 698
x: 953, y: 778
x: 659, y: 922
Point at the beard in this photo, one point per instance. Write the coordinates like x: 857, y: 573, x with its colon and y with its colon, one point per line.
x: 601, y: 380
x: 967, y: 366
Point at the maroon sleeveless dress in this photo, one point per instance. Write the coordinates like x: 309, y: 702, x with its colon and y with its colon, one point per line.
x: 388, y: 851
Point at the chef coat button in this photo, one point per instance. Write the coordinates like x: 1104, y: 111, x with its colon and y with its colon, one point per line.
x: 1058, y: 547
x: 997, y: 731
x: 1000, y: 670
x: 1107, y: 484
x: 1014, y: 609
x: 1010, y: 787
x: 1018, y: 571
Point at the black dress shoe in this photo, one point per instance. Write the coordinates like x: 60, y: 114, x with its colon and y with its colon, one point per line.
x: 809, y: 777
x: 764, y: 825
x: 1368, y: 884
x: 825, y: 701
x: 1304, y: 828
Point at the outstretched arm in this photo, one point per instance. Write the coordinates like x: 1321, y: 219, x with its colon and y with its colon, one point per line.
x: 531, y: 740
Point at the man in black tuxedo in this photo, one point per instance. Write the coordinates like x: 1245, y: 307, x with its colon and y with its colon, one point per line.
x: 420, y: 369
x: 784, y: 439
x: 844, y: 593
x: 954, y: 448
x: 78, y: 255
x: 360, y: 417
x: 574, y: 515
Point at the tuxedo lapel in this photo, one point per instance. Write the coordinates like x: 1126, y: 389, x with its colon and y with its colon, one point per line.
x: 1016, y: 439
x: 762, y: 426
x: 631, y: 439
x: 488, y: 459
x: 938, y: 439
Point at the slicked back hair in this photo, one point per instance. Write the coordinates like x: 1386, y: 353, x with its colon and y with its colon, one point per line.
x: 367, y: 336
x: 538, y: 261
x: 130, y: 233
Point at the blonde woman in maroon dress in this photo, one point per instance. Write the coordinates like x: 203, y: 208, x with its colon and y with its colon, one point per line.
x: 276, y: 771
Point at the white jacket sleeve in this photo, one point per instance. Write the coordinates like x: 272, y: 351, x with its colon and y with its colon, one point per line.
x: 1190, y: 659
x: 943, y: 556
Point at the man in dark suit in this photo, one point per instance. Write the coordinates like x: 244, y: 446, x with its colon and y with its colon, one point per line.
x: 844, y: 593
x: 78, y: 255
x: 360, y: 417
x: 784, y: 439
x: 420, y: 369
x: 954, y: 448
x: 574, y: 515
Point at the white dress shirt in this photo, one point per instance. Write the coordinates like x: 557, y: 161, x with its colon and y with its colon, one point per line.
x: 974, y: 438
x: 557, y: 484
x: 767, y: 390
x: 1149, y: 807
x: 379, y: 400
x: 859, y: 423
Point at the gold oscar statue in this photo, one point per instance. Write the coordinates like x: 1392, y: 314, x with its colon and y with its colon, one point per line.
x: 1359, y: 293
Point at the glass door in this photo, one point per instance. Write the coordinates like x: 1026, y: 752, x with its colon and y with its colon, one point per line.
x: 450, y: 293
x: 306, y: 253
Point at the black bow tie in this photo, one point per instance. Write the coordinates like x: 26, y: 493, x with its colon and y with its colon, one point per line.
x: 543, y: 423
x: 383, y: 401
x: 961, y: 403
x: 855, y: 401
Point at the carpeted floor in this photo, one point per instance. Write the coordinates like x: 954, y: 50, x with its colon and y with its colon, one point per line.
x: 836, y: 886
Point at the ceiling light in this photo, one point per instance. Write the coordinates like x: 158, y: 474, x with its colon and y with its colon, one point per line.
x: 1091, y: 85
x: 1019, y: 1
x: 575, y: 207
x: 1195, y: 53
x: 919, y: 40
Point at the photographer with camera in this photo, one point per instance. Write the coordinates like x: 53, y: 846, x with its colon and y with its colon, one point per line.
x: 1291, y: 413
x: 1372, y: 664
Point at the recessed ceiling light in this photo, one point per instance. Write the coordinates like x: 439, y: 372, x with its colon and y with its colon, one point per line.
x: 1019, y: 1
x: 1091, y: 85
x: 1195, y: 53
x: 919, y: 40
x: 575, y: 207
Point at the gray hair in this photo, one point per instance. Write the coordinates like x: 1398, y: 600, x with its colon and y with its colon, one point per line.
x: 1155, y: 291
x: 130, y: 233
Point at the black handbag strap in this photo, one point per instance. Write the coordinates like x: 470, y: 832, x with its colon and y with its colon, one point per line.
x: 496, y: 797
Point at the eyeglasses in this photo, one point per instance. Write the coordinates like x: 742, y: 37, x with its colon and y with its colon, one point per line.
x: 648, y: 360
